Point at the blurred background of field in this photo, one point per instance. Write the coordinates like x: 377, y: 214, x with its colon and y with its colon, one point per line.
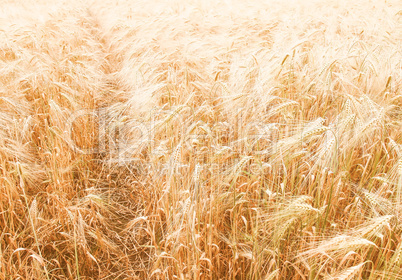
x: 200, y: 139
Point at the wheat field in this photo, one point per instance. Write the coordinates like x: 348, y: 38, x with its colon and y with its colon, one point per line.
x: 201, y: 139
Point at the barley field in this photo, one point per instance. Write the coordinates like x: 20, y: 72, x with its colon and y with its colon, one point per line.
x: 201, y: 139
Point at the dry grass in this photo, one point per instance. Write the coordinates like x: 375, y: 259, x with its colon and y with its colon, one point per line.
x: 200, y: 140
